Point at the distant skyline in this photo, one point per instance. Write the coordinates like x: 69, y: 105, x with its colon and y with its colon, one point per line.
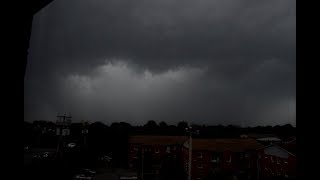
x: 204, y: 62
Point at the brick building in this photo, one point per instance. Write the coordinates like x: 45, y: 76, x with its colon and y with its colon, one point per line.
x: 150, y: 152
x: 220, y: 157
x: 244, y: 158
x: 276, y: 162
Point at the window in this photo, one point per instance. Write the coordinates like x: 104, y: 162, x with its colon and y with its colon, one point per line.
x: 200, y: 166
x: 229, y: 160
x: 215, y: 158
x: 271, y: 159
x: 199, y: 155
x: 241, y: 156
x: 157, y: 150
x: 278, y: 161
x: 285, y: 174
x: 285, y: 161
x: 168, y: 149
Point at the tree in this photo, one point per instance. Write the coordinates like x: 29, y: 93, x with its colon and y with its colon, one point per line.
x: 98, y: 125
x: 182, y: 125
x: 163, y: 124
x: 125, y: 125
x: 151, y: 124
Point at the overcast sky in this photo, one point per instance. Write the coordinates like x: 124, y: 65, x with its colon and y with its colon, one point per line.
x: 201, y: 61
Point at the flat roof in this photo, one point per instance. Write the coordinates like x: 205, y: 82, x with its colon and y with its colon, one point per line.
x: 221, y: 145
x: 157, y: 140
x: 269, y: 139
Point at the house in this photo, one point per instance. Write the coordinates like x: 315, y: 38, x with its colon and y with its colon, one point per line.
x: 213, y: 157
x: 275, y: 161
x: 147, y: 153
x: 269, y: 140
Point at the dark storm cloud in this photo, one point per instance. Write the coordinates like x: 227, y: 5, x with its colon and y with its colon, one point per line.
x: 239, y: 56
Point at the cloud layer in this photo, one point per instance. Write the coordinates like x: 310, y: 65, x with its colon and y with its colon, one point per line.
x: 206, y: 61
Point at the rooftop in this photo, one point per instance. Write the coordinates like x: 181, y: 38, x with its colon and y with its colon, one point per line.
x: 220, y: 145
x: 269, y: 139
x: 157, y: 140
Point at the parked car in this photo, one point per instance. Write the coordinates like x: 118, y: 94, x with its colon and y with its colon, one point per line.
x: 106, y: 158
x: 26, y: 148
x: 84, y: 174
x: 82, y: 177
x: 45, y: 156
x: 71, y: 145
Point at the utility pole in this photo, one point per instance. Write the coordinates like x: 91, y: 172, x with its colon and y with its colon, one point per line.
x: 62, y: 121
x: 142, y: 154
x: 190, y: 131
x: 258, y: 168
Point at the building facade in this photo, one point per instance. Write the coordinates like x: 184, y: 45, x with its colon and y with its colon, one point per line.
x: 276, y: 162
x: 214, y: 158
x: 241, y: 158
x: 147, y: 154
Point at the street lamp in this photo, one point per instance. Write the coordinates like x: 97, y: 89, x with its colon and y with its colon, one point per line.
x: 190, y: 131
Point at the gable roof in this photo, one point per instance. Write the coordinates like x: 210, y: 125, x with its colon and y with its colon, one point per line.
x: 292, y: 140
x: 279, y: 147
x: 269, y: 139
x: 157, y: 140
x: 258, y: 135
x: 220, y: 145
